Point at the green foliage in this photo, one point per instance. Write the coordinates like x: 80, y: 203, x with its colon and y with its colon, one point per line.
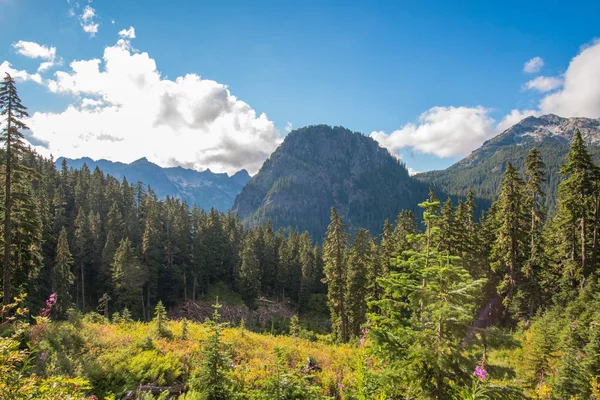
x: 160, y: 319
x: 211, y: 379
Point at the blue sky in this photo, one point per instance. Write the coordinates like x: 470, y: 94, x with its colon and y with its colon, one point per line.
x: 453, y: 71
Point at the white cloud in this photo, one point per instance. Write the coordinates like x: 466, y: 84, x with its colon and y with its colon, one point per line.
x: 19, y: 75
x: 289, y: 127
x: 442, y: 131
x: 128, y: 33
x: 534, y: 65
x: 412, y: 171
x: 35, y: 50
x: 124, y: 110
x: 86, y: 18
x: 580, y: 94
x: 543, y: 84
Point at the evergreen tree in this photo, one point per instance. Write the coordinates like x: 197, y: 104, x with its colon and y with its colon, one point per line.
x: 425, y: 316
x: 13, y: 111
x: 573, y: 209
x: 249, y: 277
x: 211, y: 379
x: 334, y: 259
x: 534, y: 173
x: 128, y: 276
x: 510, y: 248
x: 63, y: 278
x: 356, y: 286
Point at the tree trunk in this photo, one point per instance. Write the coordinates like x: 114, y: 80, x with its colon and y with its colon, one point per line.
x: 82, y: 291
x: 7, y: 205
x: 583, y: 244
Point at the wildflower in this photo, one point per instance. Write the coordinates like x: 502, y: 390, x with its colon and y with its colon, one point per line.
x: 45, y: 312
x: 480, y: 373
x: 363, y: 338
x: 43, y: 356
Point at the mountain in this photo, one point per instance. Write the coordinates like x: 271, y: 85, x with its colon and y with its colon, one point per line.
x: 482, y: 170
x: 318, y: 167
x: 206, y: 189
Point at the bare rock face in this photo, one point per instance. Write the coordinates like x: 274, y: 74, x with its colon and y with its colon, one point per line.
x: 482, y: 170
x: 319, y: 167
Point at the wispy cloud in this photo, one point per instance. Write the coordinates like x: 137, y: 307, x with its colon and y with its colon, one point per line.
x: 534, y: 65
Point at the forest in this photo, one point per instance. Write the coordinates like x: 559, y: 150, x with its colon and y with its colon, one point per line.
x: 468, y: 303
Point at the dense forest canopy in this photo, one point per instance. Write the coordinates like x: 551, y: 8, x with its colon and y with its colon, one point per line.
x: 505, y: 306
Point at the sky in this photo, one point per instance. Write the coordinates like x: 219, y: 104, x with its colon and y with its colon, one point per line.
x: 218, y: 84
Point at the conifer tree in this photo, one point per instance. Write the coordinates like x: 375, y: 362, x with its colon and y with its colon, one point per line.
x: 211, y: 379
x: 573, y: 202
x: 334, y: 260
x: 63, y: 278
x: 13, y: 112
x: 356, y: 286
x: 534, y: 174
x: 510, y: 248
x: 425, y: 315
x: 249, y: 276
x: 128, y: 276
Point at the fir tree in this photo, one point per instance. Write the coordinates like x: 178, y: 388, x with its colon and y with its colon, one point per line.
x: 334, y: 259
x: 63, y: 278
x: 356, y: 286
x: 509, y: 250
x: 573, y: 197
x: 211, y: 379
x: 13, y: 111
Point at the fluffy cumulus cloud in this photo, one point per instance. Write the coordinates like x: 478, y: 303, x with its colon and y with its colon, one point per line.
x: 534, y: 65
x: 442, y: 131
x: 580, y: 93
x: 36, y: 50
x: 19, y: 75
x: 543, y: 84
x: 124, y: 110
x: 455, y: 131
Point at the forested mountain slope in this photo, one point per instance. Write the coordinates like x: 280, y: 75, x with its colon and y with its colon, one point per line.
x: 318, y: 167
x: 205, y: 189
x: 482, y: 170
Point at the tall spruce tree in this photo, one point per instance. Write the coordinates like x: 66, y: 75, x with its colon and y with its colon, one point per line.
x: 335, y: 255
x: 534, y: 175
x: 573, y: 210
x: 63, y: 278
x: 510, y: 248
x: 356, y: 286
x: 13, y: 112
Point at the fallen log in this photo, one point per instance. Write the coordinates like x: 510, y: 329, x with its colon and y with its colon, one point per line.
x: 155, y: 390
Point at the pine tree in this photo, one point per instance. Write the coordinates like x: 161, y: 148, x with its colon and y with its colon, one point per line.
x: 356, y: 286
x: 13, y: 110
x: 534, y: 173
x: 211, y: 380
x: 128, y: 276
x: 160, y: 320
x: 573, y: 199
x: 510, y: 248
x: 425, y: 314
x: 249, y: 276
x: 63, y: 278
x: 334, y: 259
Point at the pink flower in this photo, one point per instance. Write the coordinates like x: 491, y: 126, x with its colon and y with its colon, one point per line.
x: 480, y: 373
x: 363, y: 338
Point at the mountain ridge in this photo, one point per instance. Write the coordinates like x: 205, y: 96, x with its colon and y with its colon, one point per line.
x: 205, y: 188
x: 482, y: 169
x: 320, y: 166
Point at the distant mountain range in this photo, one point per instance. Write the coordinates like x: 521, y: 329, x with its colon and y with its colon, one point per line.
x: 318, y: 167
x: 206, y: 189
x: 482, y: 170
